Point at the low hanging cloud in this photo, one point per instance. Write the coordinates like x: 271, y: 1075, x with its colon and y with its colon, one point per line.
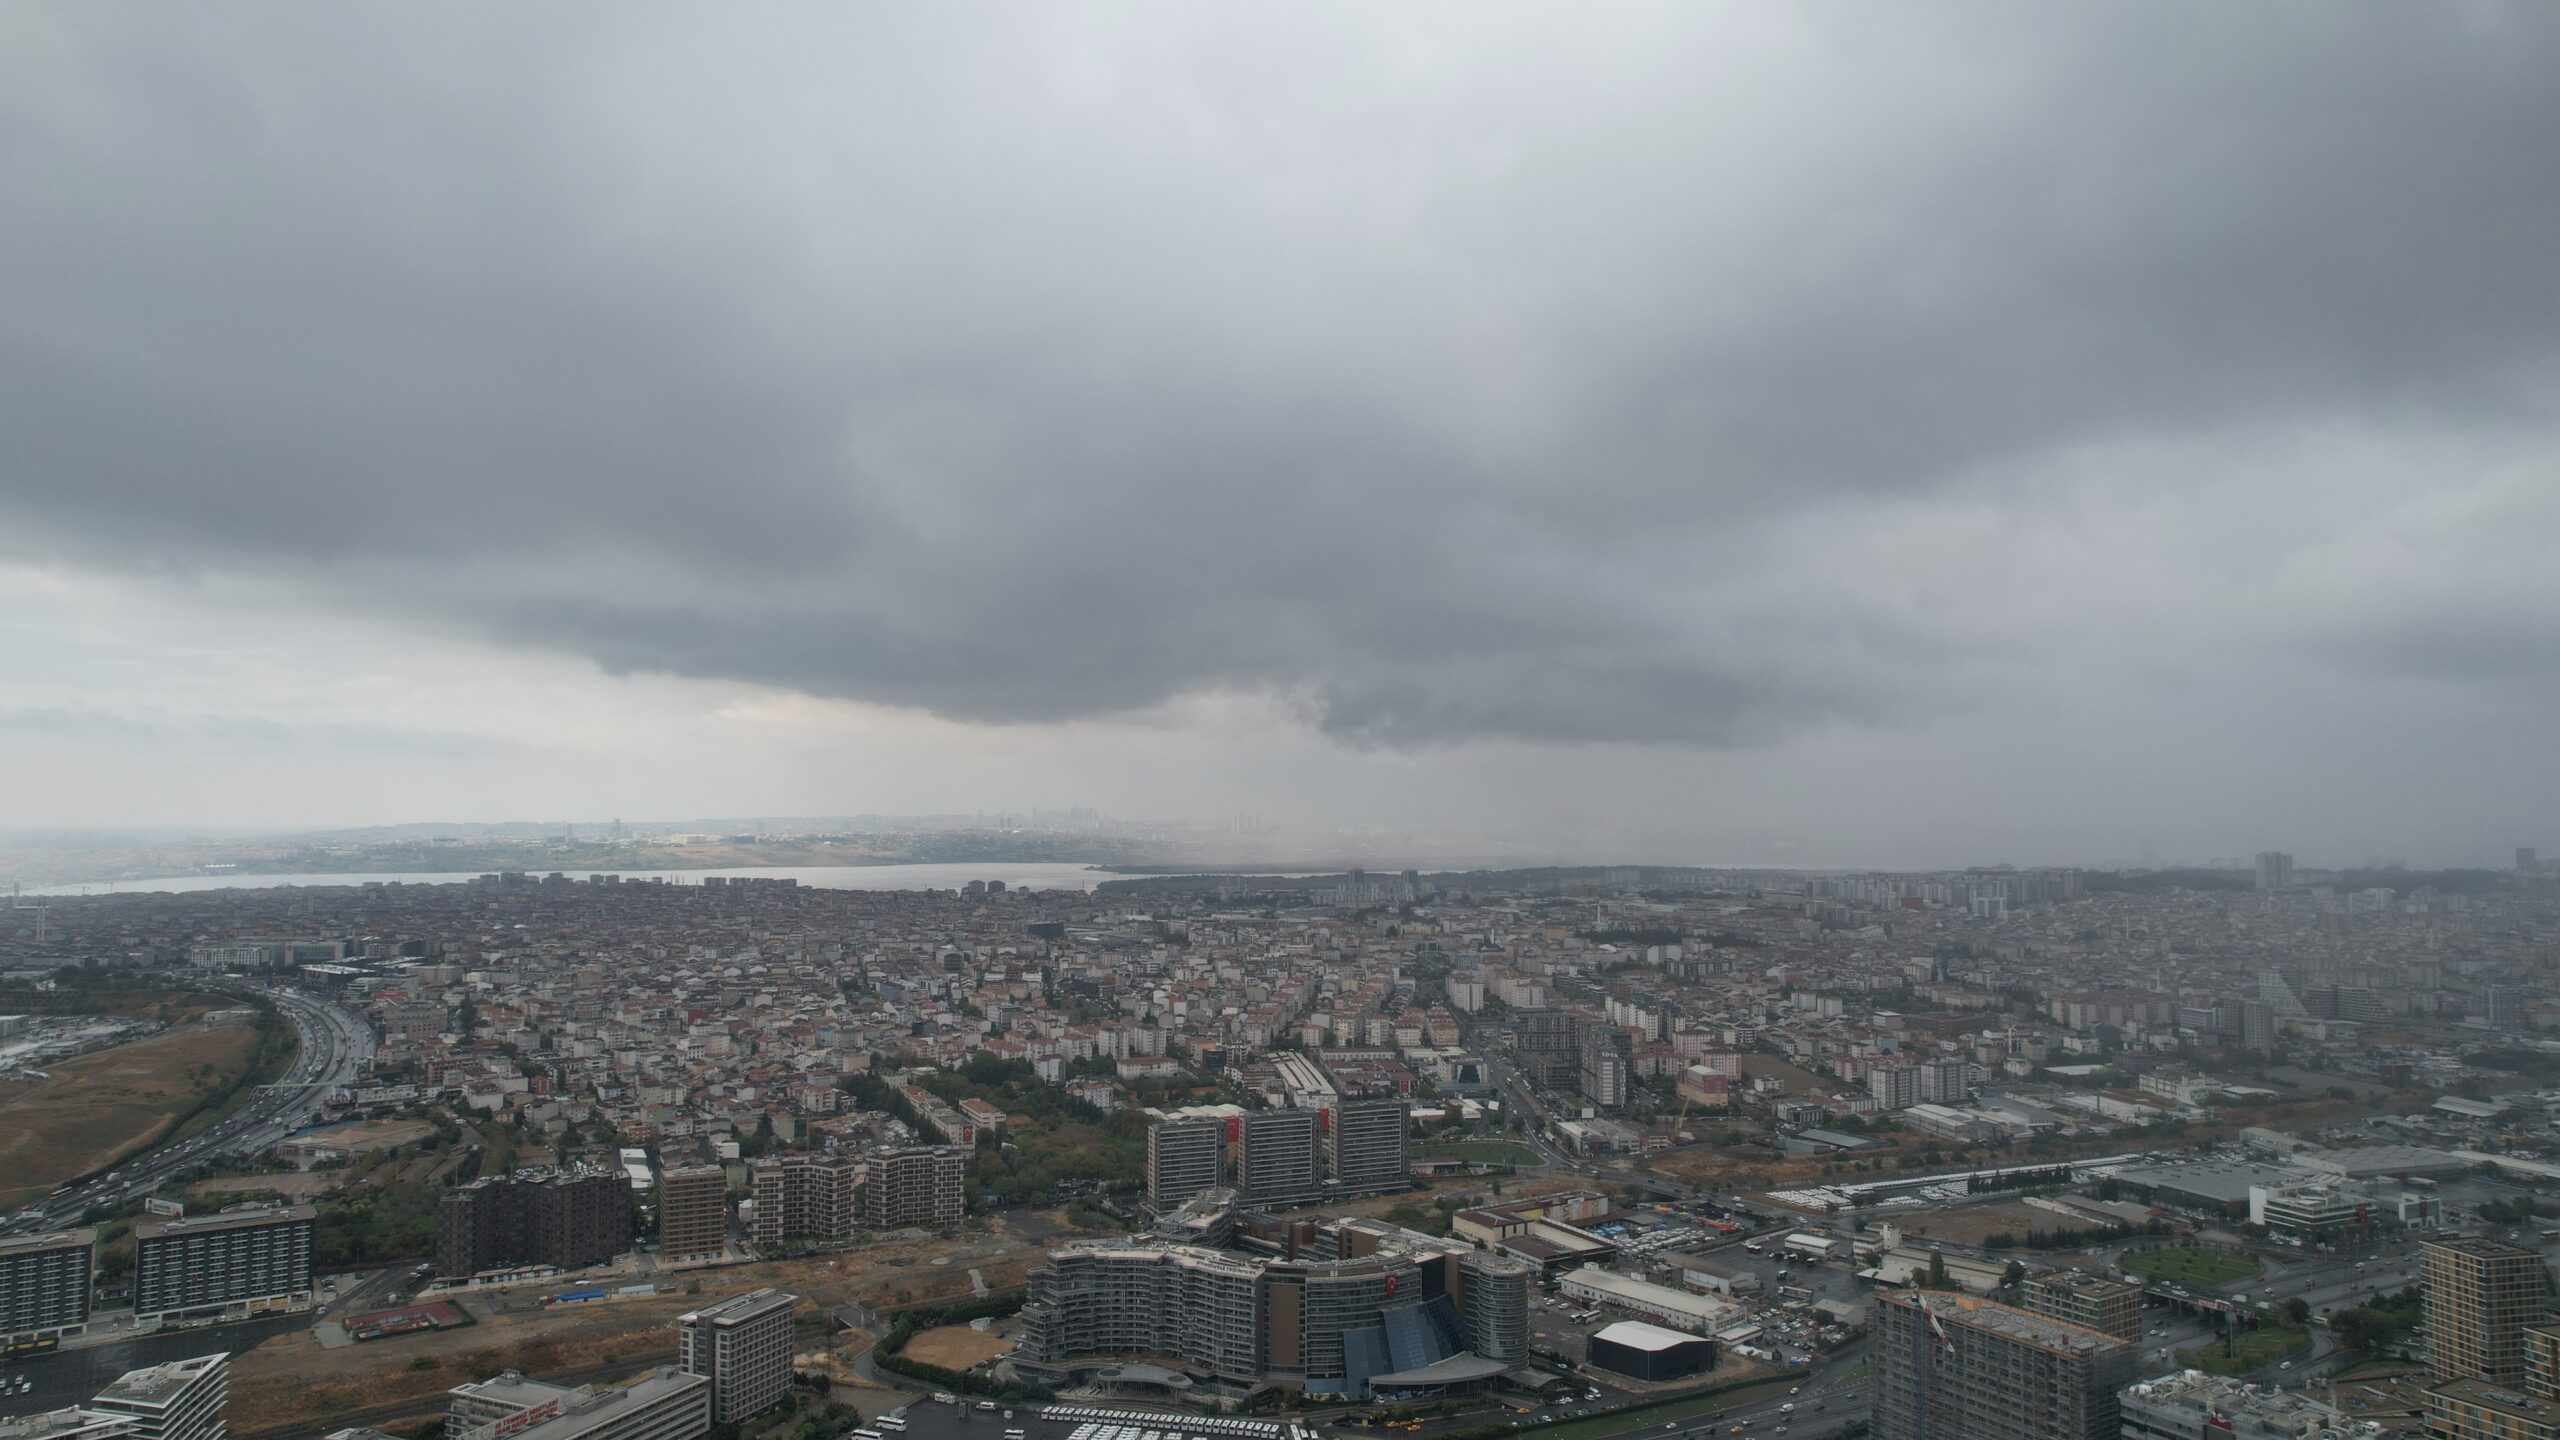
x: 1460, y: 374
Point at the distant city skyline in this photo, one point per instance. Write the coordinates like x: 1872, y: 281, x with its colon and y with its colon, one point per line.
x: 1053, y: 835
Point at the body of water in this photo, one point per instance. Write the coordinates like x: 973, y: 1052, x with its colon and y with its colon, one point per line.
x: 1025, y: 876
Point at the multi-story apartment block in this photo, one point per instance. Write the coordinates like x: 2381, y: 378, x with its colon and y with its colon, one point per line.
x: 2360, y: 1003
x: 1946, y: 1081
x: 1367, y: 1146
x: 2481, y: 1294
x: 44, y: 1284
x: 806, y: 1196
x: 693, y: 1212
x: 1191, y: 1304
x: 2469, y: 1409
x: 2275, y: 870
x: 179, y: 1400
x: 2110, y: 1307
x: 1894, y: 1087
x: 919, y: 1185
x: 563, y: 1218
x: 1547, y: 1044
x: 1951, y: 1367
x: 1466, y: 992
x: 2541, y: 1344
x: 2257, y: 1027
x: 1275, y: 1158
x: 1605, y: 1068
x: 949, y: 1124
x: 204, y: 1266
x: 2503, y: 1007
x: 413, y: 1024
x: 1185, y: 1158
x: 743, y: 1346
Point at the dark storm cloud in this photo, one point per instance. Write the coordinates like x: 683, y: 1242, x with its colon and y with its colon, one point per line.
x: 1462, y: 376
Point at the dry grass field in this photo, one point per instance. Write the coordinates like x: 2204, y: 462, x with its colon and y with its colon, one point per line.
x: 956, y: 1347
x: 99, y: 1108
x: 1798, y: 1081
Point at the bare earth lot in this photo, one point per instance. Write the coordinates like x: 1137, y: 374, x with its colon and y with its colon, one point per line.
x: 290, y: 1381
x: 360, y: 1136
x: 291, y: 1184
x: 99, y: 1108
x: 1974, y: 1224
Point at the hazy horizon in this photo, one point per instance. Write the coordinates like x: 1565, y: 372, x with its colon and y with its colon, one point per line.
x: 1172, y: 843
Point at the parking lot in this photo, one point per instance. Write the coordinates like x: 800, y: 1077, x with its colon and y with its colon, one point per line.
x: 1818, y: 1407
x: 935, y: 1420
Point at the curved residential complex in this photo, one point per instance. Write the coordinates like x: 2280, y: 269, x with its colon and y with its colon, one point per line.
x: 1232, y: 1301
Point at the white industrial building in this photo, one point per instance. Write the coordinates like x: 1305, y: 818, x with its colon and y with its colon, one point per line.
x: 1678, y: 1308
x: 1817, y: 1246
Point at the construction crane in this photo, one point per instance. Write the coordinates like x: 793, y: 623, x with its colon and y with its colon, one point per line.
x: 1644, y: 1157
x: 1929, y: 1312
x: 1932, y: 1328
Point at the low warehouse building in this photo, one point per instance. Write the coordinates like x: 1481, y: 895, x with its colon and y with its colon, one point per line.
x: 1676, y: 1308
x: 1648, y: 1352
x: 1818, y: 1246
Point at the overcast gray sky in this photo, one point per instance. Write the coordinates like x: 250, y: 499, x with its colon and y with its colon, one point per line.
x: 1850, y: 433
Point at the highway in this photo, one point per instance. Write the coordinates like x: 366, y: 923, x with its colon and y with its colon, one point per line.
x: 1843, y: 1406
x: 334, y: 1046
x: 1828, y: 1402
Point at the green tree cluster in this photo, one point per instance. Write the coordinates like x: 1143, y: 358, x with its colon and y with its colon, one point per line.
x: 905, y: 1325
x: 375, y: 1225
x: 2380, y: 1321
x: 1067, y: 1140
x: 2510, y: 1212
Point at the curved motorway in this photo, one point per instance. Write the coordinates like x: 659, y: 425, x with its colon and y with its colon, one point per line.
x: 333, y: 1047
